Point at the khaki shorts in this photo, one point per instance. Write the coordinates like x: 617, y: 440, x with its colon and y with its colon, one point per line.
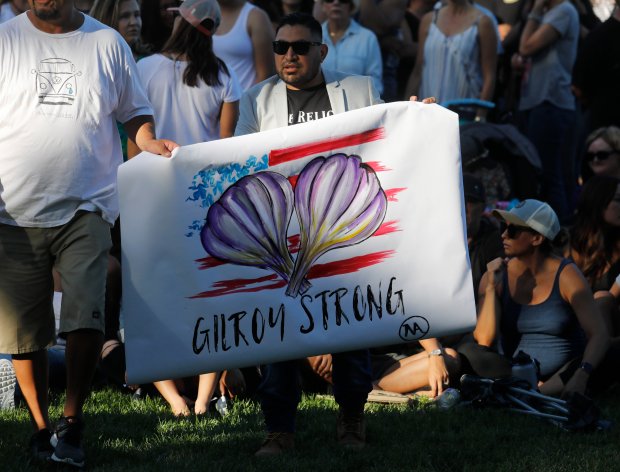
x: 78, y: 250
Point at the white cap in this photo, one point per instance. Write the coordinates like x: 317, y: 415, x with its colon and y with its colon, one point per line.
x: 534, y: 214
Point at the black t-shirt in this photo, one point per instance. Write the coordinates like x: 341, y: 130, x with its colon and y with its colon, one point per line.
x: 308, y: 104
x: 597, y: 74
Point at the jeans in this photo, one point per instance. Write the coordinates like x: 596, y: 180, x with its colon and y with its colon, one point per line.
x: 280, y: 391
x: 549, y: 128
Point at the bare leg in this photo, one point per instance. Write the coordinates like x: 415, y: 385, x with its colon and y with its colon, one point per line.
x: 411, y: 374
x: 206, y: 387
x: 31, y: 371
x: 170, y: 392
x: 82, y: 352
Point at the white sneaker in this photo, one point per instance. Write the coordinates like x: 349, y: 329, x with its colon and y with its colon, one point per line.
x: 7, y: 385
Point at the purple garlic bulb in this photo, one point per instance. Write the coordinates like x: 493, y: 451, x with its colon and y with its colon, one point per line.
x: 248, y: 224
x: 339, y: 202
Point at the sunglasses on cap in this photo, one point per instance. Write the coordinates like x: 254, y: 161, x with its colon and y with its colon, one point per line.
x: 300, y: 48
x: 344, y: 2
x: 168, y: 6
x: 513, y: 231
x: 599, y: 155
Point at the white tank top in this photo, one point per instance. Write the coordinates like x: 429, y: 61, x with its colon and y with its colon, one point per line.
x: 235, y: 49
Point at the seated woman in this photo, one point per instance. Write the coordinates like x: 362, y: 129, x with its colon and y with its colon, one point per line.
x: 603, y: 152
x: 595, y: 242
x: 537, y: 303
x: 595, y: 235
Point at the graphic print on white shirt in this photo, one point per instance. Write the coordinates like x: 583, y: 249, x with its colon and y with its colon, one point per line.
x: 56, y: 81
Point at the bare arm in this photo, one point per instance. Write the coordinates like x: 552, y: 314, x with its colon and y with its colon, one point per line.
x: 261, y: 34
x: 438, y: 376
x: 536, y: 36
x: 141, y: 137
x: 228, y: 119
x: 413, y: 84
x: 576, y: 291
x: 488, y: 57
x: 487, y: 326
x: 382, y: 17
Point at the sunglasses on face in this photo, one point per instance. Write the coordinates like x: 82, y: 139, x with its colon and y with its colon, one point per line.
x: 343, y: 2
x: 599, y: 156
x: 300, y: 48
x: 514, y: 231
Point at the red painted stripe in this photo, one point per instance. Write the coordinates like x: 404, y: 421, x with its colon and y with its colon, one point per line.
x: 387, y: 227
x: 229, y: 291
x: 392, y: 194
x: 345, y: 266
x: 377, y: 166
x: 279, y: 156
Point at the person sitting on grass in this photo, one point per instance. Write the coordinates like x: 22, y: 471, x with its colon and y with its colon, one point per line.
x: 433, y: 367
x: 537, y: 303
x: 595, y: 242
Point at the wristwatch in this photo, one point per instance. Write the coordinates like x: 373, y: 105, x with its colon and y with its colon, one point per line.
x: 587, y: 367
x: 436, y: 352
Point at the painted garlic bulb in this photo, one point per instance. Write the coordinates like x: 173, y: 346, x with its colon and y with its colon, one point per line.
x: 248, y: 224
x: 339, y: 202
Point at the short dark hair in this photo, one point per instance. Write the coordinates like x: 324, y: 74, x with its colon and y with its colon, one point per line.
x: 303, y: 19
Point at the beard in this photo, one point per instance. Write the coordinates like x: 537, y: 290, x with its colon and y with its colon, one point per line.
x: 52, y: 12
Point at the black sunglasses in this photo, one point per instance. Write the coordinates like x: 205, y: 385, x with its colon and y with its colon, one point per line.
x: 599, y: 156
x: 300, y: 48
x: 513, y: 231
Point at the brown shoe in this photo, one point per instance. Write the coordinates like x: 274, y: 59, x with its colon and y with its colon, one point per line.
x: 276, y: 444
x: 351, y: 430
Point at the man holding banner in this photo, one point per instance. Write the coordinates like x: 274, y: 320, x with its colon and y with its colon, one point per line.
x: 300, y: 92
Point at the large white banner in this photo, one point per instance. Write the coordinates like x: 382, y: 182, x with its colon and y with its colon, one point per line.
x: 343, y: 233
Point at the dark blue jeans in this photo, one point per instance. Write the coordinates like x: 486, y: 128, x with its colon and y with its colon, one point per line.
x: 280, y: 391
x: 549, y: 128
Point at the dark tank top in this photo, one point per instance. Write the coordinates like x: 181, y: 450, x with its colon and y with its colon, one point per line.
x: 548, y: 331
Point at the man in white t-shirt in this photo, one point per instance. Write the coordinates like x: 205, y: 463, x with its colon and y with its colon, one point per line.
x: 66, y: 80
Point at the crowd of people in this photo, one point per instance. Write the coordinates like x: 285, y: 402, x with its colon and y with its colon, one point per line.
x: 545, y: 267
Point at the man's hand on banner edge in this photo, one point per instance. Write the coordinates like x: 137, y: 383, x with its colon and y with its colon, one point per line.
x: 141, y: 137
x: 427, y: 100
x: 162, y: 147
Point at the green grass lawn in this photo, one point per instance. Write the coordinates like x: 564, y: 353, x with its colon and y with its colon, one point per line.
x: 125, y: 434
